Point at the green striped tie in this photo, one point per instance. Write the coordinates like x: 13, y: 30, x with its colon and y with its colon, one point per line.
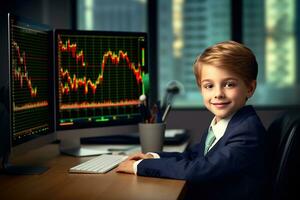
x: 209, y: 140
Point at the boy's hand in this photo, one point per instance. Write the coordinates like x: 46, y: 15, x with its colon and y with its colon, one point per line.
x: 139, y: 156
x: 126, y: 167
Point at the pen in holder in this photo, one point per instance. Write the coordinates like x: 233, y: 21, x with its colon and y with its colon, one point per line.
x: 152, y: 136
x: 166, y: 113
x: 145, y: 113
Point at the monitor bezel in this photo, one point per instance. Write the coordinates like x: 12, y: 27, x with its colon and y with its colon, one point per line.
x: 5, y: 147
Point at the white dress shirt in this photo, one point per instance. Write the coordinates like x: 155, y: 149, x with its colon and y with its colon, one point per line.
x: 219, y: 128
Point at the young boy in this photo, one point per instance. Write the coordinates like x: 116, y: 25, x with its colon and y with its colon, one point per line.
x: 228, y: 162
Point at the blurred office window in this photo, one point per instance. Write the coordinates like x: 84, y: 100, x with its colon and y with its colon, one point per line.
x: 112, y: 15
x: 269, y: 29
x: 185, y: 29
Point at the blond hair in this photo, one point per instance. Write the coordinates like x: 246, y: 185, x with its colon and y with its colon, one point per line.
x: 231, y: 56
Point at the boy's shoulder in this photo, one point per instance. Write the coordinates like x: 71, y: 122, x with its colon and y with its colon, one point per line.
x: 246, y: 116
x: 245, y: 112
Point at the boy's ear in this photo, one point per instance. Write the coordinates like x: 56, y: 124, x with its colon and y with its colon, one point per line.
x: 251, y: 88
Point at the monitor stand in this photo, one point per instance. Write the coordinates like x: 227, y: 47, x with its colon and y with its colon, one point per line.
x: 70, y: 139
x: 80, y: 152
x: 21, y: 170
x: 71, y: 146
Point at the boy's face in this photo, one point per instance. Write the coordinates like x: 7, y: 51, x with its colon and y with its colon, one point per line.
x: 223, y: 92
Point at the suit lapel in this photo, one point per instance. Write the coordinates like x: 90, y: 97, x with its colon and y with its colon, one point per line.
x: 235, y: 120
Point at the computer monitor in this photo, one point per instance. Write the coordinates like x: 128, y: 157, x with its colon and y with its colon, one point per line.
x: 27, y: 89
x: 100, y: 77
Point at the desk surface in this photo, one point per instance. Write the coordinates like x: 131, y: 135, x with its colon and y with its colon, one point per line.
x: 57, y: 183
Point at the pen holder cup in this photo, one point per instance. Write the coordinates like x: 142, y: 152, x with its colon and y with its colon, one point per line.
x: 152, y: 136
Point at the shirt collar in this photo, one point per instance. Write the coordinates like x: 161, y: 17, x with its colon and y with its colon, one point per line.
x: 220, y: 127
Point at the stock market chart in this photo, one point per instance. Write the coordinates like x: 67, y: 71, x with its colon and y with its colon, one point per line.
x: 29, y: 58
x: 100, y: 77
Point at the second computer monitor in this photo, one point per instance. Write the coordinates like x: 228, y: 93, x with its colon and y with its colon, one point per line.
x: 26, y: 89
x: 100, y: 77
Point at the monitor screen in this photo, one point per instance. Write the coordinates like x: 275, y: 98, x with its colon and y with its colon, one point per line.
x: 100, y: 77
x: 31, y: 81
x: 28, y: 88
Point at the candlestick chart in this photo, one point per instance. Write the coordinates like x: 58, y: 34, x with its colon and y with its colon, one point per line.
x: 100, y: 77
x: 29, y: 58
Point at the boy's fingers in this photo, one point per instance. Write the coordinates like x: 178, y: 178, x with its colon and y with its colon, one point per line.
x: 137, y: 156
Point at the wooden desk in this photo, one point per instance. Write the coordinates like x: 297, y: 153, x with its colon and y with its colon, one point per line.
x: 57, y: 183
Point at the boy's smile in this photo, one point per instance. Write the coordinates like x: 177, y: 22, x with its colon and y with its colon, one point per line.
x: 220, y: 105
x: 223, y: 91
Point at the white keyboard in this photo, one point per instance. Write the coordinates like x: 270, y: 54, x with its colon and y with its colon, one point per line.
x: 99, y: 164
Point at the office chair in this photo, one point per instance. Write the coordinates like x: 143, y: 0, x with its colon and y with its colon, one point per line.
x: 283, y: 155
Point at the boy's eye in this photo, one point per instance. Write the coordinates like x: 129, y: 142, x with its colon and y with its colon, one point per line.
x: 208, y: 85
x: 229, y: 84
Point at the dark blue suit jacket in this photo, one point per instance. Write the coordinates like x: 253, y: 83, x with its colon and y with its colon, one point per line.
x: 232, y: 169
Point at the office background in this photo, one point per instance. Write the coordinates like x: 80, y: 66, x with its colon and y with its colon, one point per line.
x: 180, y: 29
